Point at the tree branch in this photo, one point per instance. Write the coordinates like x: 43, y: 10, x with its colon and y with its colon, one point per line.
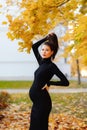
x: 66, y: 1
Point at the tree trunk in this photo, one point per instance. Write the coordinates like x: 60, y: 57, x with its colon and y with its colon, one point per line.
x: 78, y: 72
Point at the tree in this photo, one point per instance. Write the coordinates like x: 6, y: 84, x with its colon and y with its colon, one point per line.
x: 78, y: 34
x: 36, y: 18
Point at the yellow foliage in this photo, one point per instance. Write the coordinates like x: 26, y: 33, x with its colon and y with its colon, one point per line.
x: 78, y: 34
x: 9, y: 17
x: 4, y: 22
x: 38, y: 17
x: 10, y: 36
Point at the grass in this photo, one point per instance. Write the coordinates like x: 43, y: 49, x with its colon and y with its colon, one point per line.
x: 74, y: 84
x: 15, y: 84
x: 27, y: 84
x: 72, y: 104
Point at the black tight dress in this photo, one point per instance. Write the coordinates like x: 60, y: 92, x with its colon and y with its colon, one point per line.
x: 41, y: 99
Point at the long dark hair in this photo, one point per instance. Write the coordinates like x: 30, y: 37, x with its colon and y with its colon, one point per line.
x: 52, y: 42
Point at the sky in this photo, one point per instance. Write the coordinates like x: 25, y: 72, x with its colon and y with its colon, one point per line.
x: 9, y: 49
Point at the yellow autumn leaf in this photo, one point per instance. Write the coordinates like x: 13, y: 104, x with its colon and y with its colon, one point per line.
x: 10, y: 36
x: 4, y: 22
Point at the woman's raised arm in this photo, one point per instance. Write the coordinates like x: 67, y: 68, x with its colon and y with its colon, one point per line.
x: 35, y: 49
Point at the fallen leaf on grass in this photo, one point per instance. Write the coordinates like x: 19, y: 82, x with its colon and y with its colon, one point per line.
x: 16, y: 118
x: 66, y: 122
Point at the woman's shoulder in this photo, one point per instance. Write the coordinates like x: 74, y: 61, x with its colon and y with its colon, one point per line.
x: 53, y: 65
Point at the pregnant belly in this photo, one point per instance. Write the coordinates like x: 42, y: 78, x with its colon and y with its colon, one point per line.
x: 34, y: 93
x: 37, y: 95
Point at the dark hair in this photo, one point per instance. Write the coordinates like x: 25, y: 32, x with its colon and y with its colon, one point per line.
x: 52, y: 42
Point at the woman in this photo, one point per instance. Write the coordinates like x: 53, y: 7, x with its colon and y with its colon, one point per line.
x: 38, y: 93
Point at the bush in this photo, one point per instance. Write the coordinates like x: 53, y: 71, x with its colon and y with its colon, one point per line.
x: 4, y: 99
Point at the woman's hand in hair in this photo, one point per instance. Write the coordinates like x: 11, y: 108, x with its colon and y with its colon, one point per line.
x: 49, y: 36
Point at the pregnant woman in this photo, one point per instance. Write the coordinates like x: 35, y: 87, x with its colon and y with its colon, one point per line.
x: 42, y: 79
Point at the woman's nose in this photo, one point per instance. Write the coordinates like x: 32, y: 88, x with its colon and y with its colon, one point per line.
x: 44, y: 51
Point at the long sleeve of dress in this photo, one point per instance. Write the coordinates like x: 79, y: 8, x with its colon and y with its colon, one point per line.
x: 35, y: 49
x: 63, y: 80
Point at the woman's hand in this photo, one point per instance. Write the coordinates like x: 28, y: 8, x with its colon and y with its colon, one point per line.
x: 49, y: 35
x: 45, y: 87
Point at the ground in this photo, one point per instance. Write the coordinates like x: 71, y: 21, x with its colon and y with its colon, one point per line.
x: 17, y: 117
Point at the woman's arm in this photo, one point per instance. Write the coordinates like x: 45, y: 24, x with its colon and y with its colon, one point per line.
x: 63, y: 80
x: 35, y: 49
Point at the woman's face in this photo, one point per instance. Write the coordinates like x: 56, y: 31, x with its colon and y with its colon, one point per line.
x: 46, y: 51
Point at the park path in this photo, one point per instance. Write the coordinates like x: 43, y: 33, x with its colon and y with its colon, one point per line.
x: 60, y: 90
